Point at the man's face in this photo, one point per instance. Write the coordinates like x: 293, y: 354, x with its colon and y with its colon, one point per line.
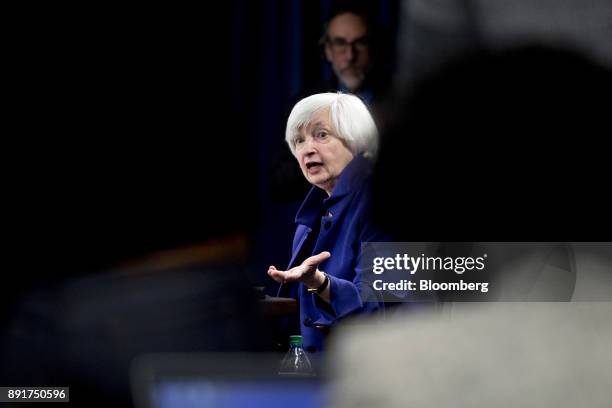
x: 347, y: 49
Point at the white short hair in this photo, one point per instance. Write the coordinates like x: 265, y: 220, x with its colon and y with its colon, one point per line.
x: 348, y: 115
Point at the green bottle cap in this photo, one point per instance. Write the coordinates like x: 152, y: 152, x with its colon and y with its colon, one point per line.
x: 296, y: 340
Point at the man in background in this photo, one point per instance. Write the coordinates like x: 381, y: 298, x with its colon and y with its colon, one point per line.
x: 347, y: 49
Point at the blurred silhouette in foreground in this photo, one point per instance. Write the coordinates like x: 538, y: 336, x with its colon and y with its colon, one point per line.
x: 137, y: 166
x: 495, y: 354
x: 502, y: 146
x: 499, y: 146
x: 84, y: 332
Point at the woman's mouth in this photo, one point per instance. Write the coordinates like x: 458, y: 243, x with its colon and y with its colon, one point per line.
x: 313, y: 167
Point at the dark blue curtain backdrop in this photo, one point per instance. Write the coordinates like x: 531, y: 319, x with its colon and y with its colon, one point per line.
x: 276, y: 57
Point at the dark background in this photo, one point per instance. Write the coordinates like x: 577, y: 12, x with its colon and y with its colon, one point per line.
x: 135, y: 129
x: 147, y: 128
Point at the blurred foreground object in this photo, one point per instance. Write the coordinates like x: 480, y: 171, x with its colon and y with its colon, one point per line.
x: 487, y: 355
x: 433, y: 31
x: 84, y: 332
x: 221, y: 380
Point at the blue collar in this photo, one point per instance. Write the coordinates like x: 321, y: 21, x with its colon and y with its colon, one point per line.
x: 317, y: 201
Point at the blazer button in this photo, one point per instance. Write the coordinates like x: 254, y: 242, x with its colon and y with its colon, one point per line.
x: 308, y: 322
x: 328, y: 225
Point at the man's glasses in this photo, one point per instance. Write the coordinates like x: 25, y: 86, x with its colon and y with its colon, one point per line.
x: 340, y: 45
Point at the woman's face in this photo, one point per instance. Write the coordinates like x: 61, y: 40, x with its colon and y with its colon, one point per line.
x: 321, y: 154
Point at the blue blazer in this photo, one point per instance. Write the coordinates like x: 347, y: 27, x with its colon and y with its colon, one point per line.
x: 341, y: 233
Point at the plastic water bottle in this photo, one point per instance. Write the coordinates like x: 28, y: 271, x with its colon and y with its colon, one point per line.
x: 296, y: 362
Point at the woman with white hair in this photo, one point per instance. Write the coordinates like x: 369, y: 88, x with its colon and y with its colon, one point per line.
x: 334, y: 138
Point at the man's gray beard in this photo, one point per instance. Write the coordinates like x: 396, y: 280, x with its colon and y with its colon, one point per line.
x: 352, y: 82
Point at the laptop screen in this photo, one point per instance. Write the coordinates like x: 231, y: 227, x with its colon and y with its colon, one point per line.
x: 238, y: 394
x: 222, y: 380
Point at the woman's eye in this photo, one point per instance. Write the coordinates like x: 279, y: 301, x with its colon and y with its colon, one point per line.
x: 299, y: 140
x: 322, y: 135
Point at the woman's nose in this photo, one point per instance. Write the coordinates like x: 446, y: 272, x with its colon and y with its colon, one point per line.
x: 308, y: 144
